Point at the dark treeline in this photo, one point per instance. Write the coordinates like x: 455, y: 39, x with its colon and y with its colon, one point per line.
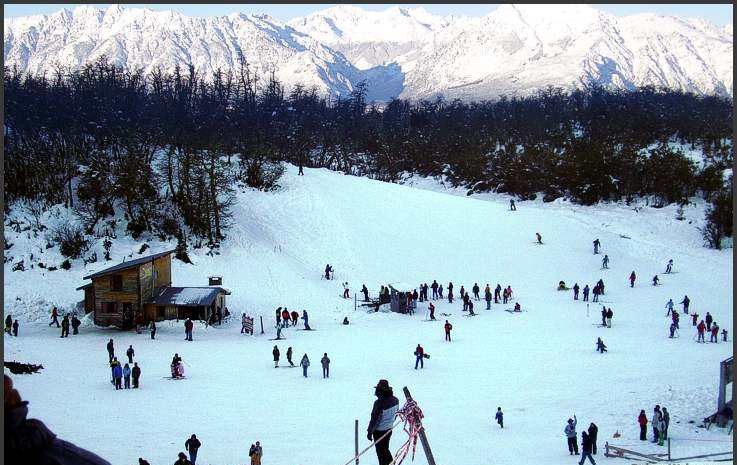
x: 170, y: 149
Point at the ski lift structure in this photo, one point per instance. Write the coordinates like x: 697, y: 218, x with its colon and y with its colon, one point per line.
x: 398, y: 296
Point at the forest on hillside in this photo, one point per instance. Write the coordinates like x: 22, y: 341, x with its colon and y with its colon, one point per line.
x: 167, y: 151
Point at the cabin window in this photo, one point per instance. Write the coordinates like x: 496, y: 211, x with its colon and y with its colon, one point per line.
x: 116, y: 282
x: 110, y: 307
x: 160, y: 311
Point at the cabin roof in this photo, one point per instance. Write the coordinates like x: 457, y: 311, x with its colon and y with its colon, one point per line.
x: 128, y: 264
x: 187, y: 296
x: 81, y: 288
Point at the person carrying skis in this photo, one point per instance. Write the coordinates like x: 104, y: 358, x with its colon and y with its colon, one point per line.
x: 642, y: 421
x: 295, y: 316
x: 76, y: 323
x: 54, y: 317
x: 275, y: 353
x: 586, y: 445
x: 325, y: 362
x: 709, y: 319
x: 431, y: 307
x: 605, y: 262
x: 289, y: 356
x: 609, y: 315
x: 700, y: 331
x: 447, y: 327
x: 655, y: 280
x: 475, y: 290
x: 686, y: 302
x: 382, y: 419
x: 434, y: 287
x: 136, y: 374
x: 364, y: 289
x: 600, y: 346
x: 499, y: 417
x: 632, y: 279
x: 586, y: 293
x: 305, y: 362
x: 487, y: 296
x: 306, y: 320
x: 110, y: 350
x: 575, y: 291
x: 130, y: 353
x: 419, y: 356
x: 596, y: 246
x: 539, y: 238
x: 570, y: 432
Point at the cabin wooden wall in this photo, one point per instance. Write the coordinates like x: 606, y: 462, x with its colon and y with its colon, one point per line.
x: 162, y: 267
x: 104, y: 293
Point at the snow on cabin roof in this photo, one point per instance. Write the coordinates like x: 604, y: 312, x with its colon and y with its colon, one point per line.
x: 188, y: 296
x: 128, y: 264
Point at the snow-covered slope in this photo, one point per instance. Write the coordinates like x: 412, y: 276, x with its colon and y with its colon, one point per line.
x: 540, y: 366
x: 516, y: 49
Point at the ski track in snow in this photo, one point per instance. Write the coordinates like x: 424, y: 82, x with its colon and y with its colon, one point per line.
x: 539, y: 366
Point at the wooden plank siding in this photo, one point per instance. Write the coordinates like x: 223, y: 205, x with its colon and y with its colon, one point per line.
x: 104, y: 293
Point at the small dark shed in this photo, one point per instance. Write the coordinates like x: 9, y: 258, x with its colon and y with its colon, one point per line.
x: 398, y: 298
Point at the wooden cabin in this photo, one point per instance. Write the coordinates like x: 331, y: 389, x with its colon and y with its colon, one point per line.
x: 139, y: 290
x: 398, y: 298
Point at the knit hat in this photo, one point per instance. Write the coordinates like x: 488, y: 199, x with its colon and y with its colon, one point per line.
x: 383, y: 385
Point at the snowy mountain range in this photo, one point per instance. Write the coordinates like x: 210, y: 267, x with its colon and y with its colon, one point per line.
x: 408, y: 53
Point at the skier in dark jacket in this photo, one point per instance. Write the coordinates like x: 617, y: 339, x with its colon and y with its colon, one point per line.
x: 15, y: 328
x: 434, y: 287
x: 708, y: 320
x: 325, y: 362
x: 275, y: 353
x: 497, y: 293
x: 130, y: 353
x: 575, y: 291
x: 382, y: 419
x: 605, y: 262
x: 593, y: 432
x: 686, y: 302
x: 278, y: 316
x: 289, y: 356
x: 136, y: 374
x: 586, y: 293
x: 192, y: 445
x: 600, y: 346
x: 499, y: 417
x: 182, y: 460
x: 603, y: 316
x: 295, y: 317
x: 364, y: 289
x: 448, y: 327
x: 76, y: 323
x: 475, y: 290
x: 65, y: 326
x: 450, y: 293
x: 655, y: 280
x: 419, y: 356
x: 30, y: 442
x: 110, y: 349
x: 487, y: 296
x: 586, y: 446
x: 632, y: 279
x: 306, y: 320
x: 9, y: 324
x: 596, y: 246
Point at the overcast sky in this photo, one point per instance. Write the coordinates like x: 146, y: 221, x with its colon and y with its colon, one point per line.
x: 718, y: 14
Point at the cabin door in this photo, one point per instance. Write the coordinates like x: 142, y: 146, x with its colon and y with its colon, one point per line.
x: 128, y: 314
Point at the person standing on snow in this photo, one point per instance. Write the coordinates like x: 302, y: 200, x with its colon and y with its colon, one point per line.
x: 382, y: 419
x: 65, y: 326
x: 596, y: 246
x: 431, y: 307
x: 419, y: 356
x: 470, y: 307
x: 686, y: 302
x: 295, y: 317
x: 278, y: 316
x: 642, y: 420
x: 586, y: 445
x: 364, y: 289
x: 475, y: 290
x: 487, y: 296
x: 289, y: 356
x: 657, y: 418
x: 600, y: 346
x: 275, y: 353
x: 305, y: 362
x: 447, y: 327
x: 15, y: 328
x: 609, y: 315
x: 669, y: 266
x: 512, y: 206
x: 714, y: 333
x: 694, y: 318
x: 243, y: 322
x: 586, y: 293
x: 570, y: 432
x: 153, y: 329
x: 539, y: 238
x: 632, y: 279
x: 669, y: 306
x: 434, y: 287
x: 306, y: 320
x: 655, y: 280
x: 136, y: 374
x: 75, y: 324
x: 346, y: 291
x: 188, y: 327
x: 497, y: 293
x: 603, y: 316
x: 596, y: 292
x: 593, y: 432
x: 255, y: 452
x: 110, y: 350
x: 709, y: 319
x: 666, y: 422
x: 605, y: 262
x: 117, y: 375
x: 700, y: 331
x: 325, y: 362
x: 127, y: 376
x: 192, y: 445
x: 450, y: 292
x: 130, y: 352
x: 499, y: 417
x: 575, y: 291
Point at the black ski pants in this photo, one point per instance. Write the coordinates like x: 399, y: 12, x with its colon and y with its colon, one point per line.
x: 382, y: 447
x: 573, y: 445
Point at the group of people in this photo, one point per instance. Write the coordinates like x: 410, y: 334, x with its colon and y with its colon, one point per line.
x: 123, y: 373
x: 304, y: 363
x: 11, y: 326
x: 588, y: 440
x: 596, y: 291
x: 660, y: 422
x: 66, y: 322
x: 285, y: 318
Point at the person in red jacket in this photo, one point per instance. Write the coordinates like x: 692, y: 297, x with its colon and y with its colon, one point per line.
x: 295, y: 317
x: 448, y: 327
x: 420, y: 355
x: 701, y: 328
x: 285, y: 317
x: 714, y: 332
x: 632, y: 279
x: 642, y: 420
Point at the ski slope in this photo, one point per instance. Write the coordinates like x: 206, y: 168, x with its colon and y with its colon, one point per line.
x: 540, y: 366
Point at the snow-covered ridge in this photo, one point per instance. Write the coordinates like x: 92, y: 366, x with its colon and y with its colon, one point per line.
x: 406, y: 52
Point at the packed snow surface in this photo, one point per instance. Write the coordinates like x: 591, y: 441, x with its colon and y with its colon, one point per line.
x: 540, y: 365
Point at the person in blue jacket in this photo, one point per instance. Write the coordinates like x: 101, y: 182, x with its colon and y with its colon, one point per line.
x: 118, y: 376
x: 305, y: 318
x: 499, y: 417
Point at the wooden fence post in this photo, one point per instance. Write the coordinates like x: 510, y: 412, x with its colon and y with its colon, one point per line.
x: 261, y: 318
x: 356, y: 442
x: 423, y: 436
x: 668, y: 448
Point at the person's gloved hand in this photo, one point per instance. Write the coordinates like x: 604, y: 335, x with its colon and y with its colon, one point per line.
x: 369, y: 437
